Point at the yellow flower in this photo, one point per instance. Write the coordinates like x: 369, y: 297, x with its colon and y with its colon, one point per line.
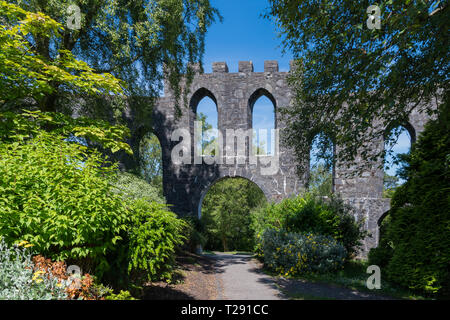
x: 36, y: 276
x: 21, y: 243
x: 29, y: 245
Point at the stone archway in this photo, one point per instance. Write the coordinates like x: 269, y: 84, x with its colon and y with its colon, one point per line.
x: 234, y: 95
x: 208, y: 187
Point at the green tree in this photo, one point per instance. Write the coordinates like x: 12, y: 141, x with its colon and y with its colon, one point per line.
x: 416, y: 244
x: 390, y: 183
x: 151, y: 161
x: 226, y: 213
x: 349, y: 76
x: 129, y: 39
x: 27, y: 74
x: 321, y: 180
x: 208, y: 141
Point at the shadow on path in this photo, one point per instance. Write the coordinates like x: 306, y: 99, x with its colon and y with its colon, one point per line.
x: 302, y: 289
x: 241, y: 279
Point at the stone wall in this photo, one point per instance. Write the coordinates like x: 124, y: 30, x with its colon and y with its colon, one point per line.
x: 235, y: 94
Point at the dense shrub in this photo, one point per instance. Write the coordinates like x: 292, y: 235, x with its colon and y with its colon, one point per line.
x: 314, y: 215
x: 55, y: 195
x: 417, y: 239
x: 154, y: 236
x: 59, y: 197
x: 19, y: 279
x: 380, y: 256
x: 194, y: 232
x: 292, y: 253
x: 132, y: 187
x: 122, y: 295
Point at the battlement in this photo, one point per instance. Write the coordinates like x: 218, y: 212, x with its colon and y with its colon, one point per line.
x: 247, y: 66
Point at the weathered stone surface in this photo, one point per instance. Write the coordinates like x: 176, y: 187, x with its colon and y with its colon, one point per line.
x: 235, y: 94
x: 245, y: 66
x: 220, y: 67
x: 270, y: 66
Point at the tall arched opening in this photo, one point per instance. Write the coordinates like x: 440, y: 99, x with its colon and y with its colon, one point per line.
x: 321, y: 165
x: 262, y: 107
x: 226, y: 209
x: 398, y: 141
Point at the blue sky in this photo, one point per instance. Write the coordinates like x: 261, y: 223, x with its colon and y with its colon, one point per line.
x: 242, y: 36
x: 245, y: 35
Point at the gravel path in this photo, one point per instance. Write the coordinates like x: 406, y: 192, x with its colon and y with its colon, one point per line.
x: 242, y: 279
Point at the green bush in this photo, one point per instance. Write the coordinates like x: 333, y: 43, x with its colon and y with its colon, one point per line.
x: 19, y: 281
x: 122, y: 295
x: 132, y: 187
x: 55, y: 195
x: 314, y: 215
x: 154, y: 236
x: 380, y: 256
x: 194, y: 233
x: 58, y: 196
x: 417, y: 238
x: 291, y: 253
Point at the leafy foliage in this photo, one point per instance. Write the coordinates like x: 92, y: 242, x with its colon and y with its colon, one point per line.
x: 27, y: 71
x: 79, y: 286
x: 55, y: 195
x: 390, y: 183
x: 131, y: 41
x: 195, y: 233
x: 122, y: 295
x: 310, y: 214
x: 155, y: 234
x: 416, y: 246
x: 58, y: 196
x: 19, y: 127
x: 226, y: 214
x: 132, y: 187
x: 292, y: 254
x: 349, y: 77
x: 151, y: 161
x: 321, y: 180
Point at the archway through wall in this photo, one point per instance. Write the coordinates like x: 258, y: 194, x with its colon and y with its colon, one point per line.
x: 206, y: 113
x: 321, y: 165
x: 226, y: 209
x: 151, y: 161
x: 262, y: 106
x: 398, y: 141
